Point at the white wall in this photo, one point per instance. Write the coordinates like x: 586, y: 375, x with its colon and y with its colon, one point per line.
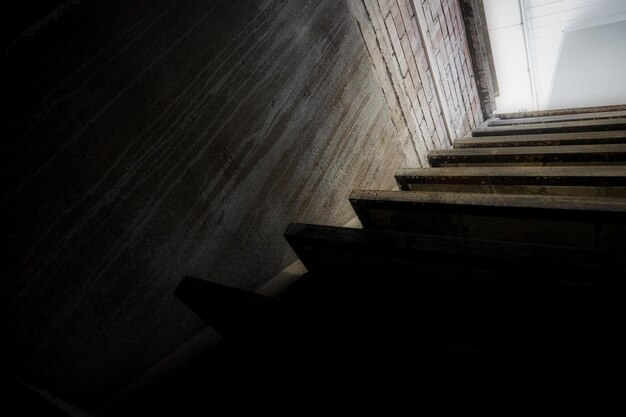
x: 592, y: 67
x: 548, y: 20
x: 545, y: 23
x: 507, y: 45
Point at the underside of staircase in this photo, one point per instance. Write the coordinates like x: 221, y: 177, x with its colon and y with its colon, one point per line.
x: 489, y: 284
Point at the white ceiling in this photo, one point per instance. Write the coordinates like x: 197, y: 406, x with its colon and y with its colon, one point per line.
x: 546, y: 20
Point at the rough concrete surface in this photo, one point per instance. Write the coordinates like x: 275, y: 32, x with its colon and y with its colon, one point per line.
x: 150, y: 140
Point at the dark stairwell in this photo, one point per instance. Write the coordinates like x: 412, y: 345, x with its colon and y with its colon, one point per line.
x: 488, y: 286
x: 149, y: 141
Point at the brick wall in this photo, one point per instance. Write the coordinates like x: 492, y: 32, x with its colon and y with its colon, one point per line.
x: 445, y: 29
x: 428, y: 80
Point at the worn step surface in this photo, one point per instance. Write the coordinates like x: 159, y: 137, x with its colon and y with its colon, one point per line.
x: 562, y: 221
x: 561, y: 112
x: 590, y: 181
x: 559, y: 127
x: 557, y: 118
x: 548, y: 139
x: 530, y: 156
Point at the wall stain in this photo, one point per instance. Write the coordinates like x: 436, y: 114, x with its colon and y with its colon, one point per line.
x: 154, y: 140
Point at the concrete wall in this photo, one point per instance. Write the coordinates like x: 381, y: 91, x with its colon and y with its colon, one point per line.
x: 150, y: 140
x: 590, y: 68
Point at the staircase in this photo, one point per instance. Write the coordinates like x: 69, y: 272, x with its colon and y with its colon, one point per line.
x: 489, y: 284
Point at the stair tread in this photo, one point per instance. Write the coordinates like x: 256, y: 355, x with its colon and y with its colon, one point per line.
x: 531, y: 150
x: 586, y: 222
x: 493, y: 200
x: 604, y: 154
x: 398, y: 245
x: 545, y: 139
x: 597, y: 181
x: 611, y: 171
x: 556, y: 112
x: 575, y: 126
x: 557, y: 118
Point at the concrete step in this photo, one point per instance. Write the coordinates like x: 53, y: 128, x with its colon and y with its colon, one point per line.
x: 590, y: 181
x: 530, y: 156
x: 298, y: 347
x: 559, y: 127
x: 449, y: 288
x: 562, y: 221
x: 346, y: 251
x: 557, y: 118
x: 549, y: 139
x: 560, y: 112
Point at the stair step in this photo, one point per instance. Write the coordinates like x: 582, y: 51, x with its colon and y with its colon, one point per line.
x: 562, y: 221
x: 549, y: 139
x: 590, y: 181
x: 298, y: 347
x: 560, y: 127
x: 448, y: 287
x: 530, y: 156
x: 560, y: 112
x: 557, y: 118
x: 412, y: 256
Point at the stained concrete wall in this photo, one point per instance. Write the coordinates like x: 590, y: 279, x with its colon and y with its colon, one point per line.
x: 151, y: 140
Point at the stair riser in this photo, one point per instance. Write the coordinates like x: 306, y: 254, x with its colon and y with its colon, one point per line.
x: 489, y: 164
x: 564, y: 139
x: 561, y: 112
x: 615, y: 192
x: 572, y: 177
x: 551, y: 227
x: 406, y: 256
x: 527, y: 160
x: 557, y: 118
x: 541, y: 128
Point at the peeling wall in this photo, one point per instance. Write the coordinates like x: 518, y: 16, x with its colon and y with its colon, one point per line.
x: 150, y: 140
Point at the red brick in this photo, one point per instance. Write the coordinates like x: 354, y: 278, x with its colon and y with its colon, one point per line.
x: 410, y: 88
x: 418, y: 112
x: 422, y: 97
x: 427, y: 136
x: 416, y: 41
x: 421, y: 60
x: 417, y: 82
x: 429, y: 120
x: 427, y: 84
x: 437, y: 38
x: 397, y: 19
x: 435, y: 8
x: 410, y: 6
x: 408, y: 55
x: 439, y: 121
x: 405, y: 12
x: 413, y: 72
x: 384, y: 7
x: 397, y: 46
x: 428, y: 16
x: 449, y: 20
